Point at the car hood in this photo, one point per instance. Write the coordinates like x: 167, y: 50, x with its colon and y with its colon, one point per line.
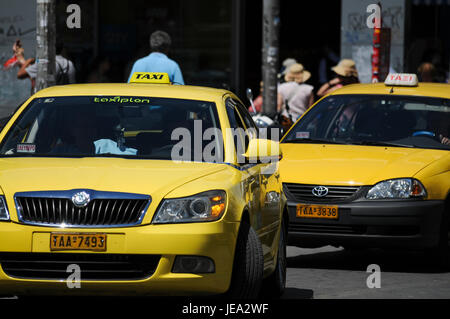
x: 351, y: 164
x: 153, y: 177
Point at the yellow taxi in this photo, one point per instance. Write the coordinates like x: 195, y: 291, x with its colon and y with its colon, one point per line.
x: 369, y: 165
x: 144, y: 188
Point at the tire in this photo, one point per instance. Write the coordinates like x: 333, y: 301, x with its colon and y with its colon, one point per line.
x: 275, y: 284
x: 248, y: 265
x: 440, y: 255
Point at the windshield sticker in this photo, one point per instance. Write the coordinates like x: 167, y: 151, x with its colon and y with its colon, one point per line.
x: 120, y: 99
x: 26, y: 148
x: 302, y: 135
x: 48, y: 100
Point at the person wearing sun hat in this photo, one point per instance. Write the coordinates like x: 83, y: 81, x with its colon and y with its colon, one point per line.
x: 346, y: 67
x: 296, y: 72
x: 294, y: 96
x: 285, y: 66
x: 346, y: 73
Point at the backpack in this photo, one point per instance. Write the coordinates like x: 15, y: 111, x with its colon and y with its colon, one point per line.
x: 63, y: 76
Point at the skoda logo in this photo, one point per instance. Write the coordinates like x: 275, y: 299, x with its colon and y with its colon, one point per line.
x: 81, y: 199
x: 320, y: 191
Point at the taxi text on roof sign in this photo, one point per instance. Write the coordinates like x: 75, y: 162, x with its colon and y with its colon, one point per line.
x: 401, y: 79
x: 150, y: 77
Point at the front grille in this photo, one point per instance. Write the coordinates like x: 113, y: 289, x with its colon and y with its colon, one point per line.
x: 57, y: 208
x: 303, y: 192
x: 92, y: 266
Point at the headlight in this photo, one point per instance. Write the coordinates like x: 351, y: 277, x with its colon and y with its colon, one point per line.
x: 397, y: 188
x: 4, y: 214
x: 203, y: 207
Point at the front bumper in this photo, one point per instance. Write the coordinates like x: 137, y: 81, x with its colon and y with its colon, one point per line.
x: 409, y: 224
x: 215, y: 240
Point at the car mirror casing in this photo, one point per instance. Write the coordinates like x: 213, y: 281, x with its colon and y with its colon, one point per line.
x: 262, y: 151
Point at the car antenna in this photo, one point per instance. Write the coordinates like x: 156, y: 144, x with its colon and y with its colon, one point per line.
x: 250, y: 98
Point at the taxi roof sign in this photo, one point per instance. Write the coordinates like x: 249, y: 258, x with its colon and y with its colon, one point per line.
x: 401, y: 79
x: 150, y: 77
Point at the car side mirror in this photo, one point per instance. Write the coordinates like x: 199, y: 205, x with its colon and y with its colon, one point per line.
x: 263, y: 151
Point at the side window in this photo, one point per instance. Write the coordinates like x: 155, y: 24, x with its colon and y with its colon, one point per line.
x: 249, y: 123
x: 233, y: 115
x: 25, y: 133
x: 237, y: 124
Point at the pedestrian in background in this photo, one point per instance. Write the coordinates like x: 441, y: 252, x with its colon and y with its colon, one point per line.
x: 427, y: 72
x: 346, y: 73
x: 158, y: 60
x: 258, y: 101
x: 285, y: 66
x: 295, y: 96
x: 65, y: 71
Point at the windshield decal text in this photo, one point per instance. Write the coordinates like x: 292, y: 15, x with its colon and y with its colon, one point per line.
x: 119, y: 99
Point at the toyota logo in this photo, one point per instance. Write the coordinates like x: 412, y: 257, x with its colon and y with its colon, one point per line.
x: 81, y: 199
x: 320, y: 191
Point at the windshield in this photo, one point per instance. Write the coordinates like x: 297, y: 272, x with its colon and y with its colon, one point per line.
x: 383, y: 120
x: 135, y: 127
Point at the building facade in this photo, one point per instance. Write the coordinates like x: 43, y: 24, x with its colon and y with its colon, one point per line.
x: 218, y: 43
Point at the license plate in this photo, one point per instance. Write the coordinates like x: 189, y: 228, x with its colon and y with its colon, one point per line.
x: 317, y: 211
x: 78, y: 241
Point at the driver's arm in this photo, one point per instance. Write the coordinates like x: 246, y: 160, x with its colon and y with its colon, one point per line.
x: 444, y: 140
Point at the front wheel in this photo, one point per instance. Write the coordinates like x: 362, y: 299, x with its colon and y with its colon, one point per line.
x: 440, y: 255
x: 248, y: 265
x: 275, y: 284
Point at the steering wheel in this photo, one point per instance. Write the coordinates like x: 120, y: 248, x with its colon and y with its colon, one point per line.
x: 429, y: 134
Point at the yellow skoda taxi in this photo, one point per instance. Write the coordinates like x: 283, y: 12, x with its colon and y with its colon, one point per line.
x: 369, y: 165
x: 144, y: 188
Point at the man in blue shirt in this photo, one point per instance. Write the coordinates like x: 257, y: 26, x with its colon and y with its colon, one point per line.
x: 158, y: 61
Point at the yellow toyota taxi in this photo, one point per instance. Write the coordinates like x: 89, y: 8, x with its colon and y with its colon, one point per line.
x: 144, y: 188
x: 369, y: 165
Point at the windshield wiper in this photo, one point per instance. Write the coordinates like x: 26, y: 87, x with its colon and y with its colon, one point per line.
x: 313, y: 140
x: 379, y: 143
